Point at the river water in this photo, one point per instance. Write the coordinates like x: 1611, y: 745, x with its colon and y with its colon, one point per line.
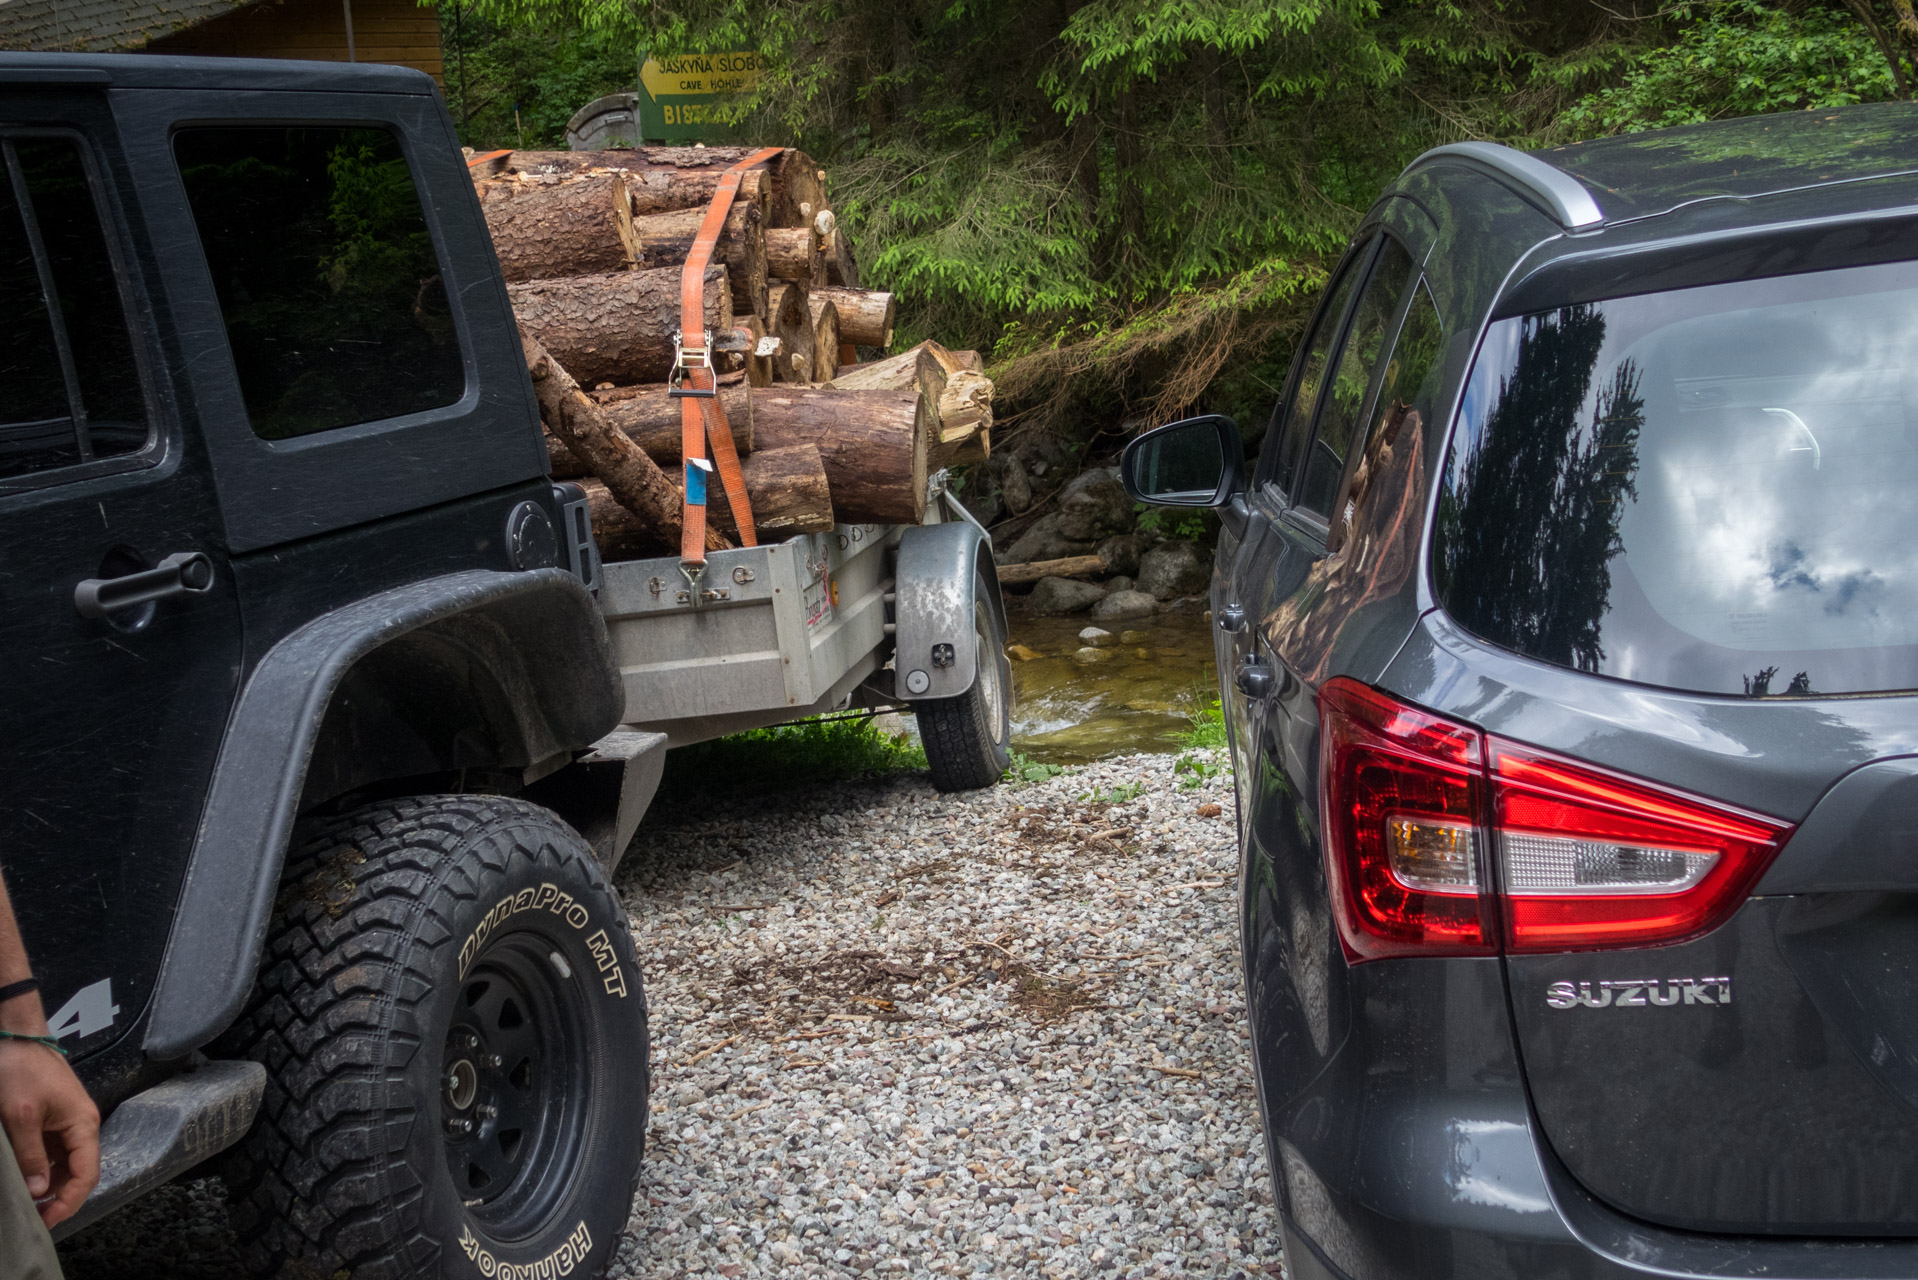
x: 1139, y: 694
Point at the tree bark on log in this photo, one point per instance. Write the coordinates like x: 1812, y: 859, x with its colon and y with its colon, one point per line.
x: 638, y: 484
x: 798, y: 190
x: 865, y: 315
x: 567, y: 229
x: 615, y: 328
x: 792, y: 253
x: 652, y: 187
x: 842, y: 267
x: 873, y: 444
x: 789, y: 320
x: 665, y: 240
x: 650, y: 419
x: 788, y: 490
x: 825, y: 339
x: 959, y: 401
x: 1033, y: 570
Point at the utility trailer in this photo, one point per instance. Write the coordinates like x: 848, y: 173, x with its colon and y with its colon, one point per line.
x: 873, y: 616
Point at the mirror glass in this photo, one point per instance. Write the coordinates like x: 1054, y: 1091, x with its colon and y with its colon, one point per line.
x: 1180, y: 465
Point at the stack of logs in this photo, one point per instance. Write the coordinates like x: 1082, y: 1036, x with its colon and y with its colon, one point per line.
x: 593, y: 246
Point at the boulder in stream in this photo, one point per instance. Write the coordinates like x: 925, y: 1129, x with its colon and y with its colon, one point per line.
x: 1054, y: 597
x: 1174, y: 569
x: 1122, y: 605
x: 1096, y: 637
x: 1094, y: 506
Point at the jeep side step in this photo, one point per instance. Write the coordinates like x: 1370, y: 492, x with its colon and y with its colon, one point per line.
x: 163, y: 1132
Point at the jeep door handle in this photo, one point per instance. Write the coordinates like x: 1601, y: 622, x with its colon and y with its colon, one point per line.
x: 1232, y: 618
x: 185, y: 573
x: 1253, y: 678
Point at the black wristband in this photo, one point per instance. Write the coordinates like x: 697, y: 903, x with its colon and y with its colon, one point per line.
x: 19, y: 988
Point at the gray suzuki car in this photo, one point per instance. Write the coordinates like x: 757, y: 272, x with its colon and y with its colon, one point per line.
x: 1568, y: 629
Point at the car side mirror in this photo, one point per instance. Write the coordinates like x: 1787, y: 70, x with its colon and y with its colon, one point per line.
x: 1197, y: 462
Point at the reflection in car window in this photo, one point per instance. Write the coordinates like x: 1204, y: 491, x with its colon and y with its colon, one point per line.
x: 68, y: 394
x: 1298, y: 413
x: 1407, y: 388
x: 1706, y: 489
x: 326, y: 274
x: 1344, y: 397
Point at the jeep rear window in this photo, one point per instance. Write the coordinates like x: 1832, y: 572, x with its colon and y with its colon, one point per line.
x: 326, y: 274
x: 1708, y: 489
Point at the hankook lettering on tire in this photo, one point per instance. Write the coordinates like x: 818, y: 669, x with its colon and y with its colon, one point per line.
x: 560, y: 1262
x: 1643, y: 993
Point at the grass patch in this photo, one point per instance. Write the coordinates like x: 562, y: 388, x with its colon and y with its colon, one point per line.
x: 1208, y: 728
x: 808, y: 753
x: 1023, y: 768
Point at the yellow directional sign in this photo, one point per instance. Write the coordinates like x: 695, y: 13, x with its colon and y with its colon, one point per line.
x: 699, y: 75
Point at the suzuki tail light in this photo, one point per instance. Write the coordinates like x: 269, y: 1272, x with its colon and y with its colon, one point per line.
x: 1588, y: 858
x: 1441, y: 841
x: 1401, y: 790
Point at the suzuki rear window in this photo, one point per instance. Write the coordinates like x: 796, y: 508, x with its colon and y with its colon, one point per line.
x: 1709, y: 489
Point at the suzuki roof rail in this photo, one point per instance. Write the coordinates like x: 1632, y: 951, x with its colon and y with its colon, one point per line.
x: 1564, y: 196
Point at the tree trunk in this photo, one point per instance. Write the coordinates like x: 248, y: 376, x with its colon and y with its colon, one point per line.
x: 825, y: 339
x: 792, y: 253
x: 873, y: 444
x: 566, y: 229
x: 865, y: 315
x: 650, y: 418
x: 789, y: 320
x: 842, y: 268
x: 798, y: 190
x: 665, y: 240
x: 787, y: 488
x: 615, y: 328
x: 652, y: 188
x: 632, y: 478
x: 1032, y: 571
x: 958, y: 400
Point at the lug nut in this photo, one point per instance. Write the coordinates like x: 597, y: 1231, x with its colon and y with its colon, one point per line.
x: 486, y: 1111
x: 492, y: 1059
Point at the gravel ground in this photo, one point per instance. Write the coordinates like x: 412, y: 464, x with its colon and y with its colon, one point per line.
x: 903, y: 1033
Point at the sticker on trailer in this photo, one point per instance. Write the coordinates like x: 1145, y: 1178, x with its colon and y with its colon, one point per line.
x: 819, y: 603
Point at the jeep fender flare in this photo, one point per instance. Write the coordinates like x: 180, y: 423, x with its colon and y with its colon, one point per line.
x: 536, y: 641
x: 942, y: 569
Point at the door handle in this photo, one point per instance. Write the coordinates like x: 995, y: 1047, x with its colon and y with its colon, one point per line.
x: 1253, y: 678
x: 184, y: 573
x: 1232, y: 618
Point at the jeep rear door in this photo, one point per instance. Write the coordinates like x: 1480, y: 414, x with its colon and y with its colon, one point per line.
x: 110, y: 723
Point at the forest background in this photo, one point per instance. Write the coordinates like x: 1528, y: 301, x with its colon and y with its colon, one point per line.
x: 1130, y: 205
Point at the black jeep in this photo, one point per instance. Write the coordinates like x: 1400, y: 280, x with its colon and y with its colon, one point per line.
x: 305, y: 668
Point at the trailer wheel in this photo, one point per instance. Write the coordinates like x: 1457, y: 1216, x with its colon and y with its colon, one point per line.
x: 455, y: 1039
x: 968, y: 739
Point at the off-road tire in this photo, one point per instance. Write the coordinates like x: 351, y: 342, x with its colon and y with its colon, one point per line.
x: 968, y: 739
x: 389, y: 919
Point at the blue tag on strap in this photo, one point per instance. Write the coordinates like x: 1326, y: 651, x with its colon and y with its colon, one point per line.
x: 696, y: 469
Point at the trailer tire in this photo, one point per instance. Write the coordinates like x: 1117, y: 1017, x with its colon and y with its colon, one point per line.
x: 968, y: 739
x: 450, y: 1015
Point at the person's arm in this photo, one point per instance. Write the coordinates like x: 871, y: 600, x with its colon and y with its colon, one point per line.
x: 51, y: 1122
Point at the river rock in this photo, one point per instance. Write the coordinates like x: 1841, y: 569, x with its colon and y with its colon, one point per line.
x: 980, y: 498
x: 1122, y: 605
x: 1134, y: 637
x: 1119, y: 583
x: 1121, y: 553
x: 1015, y: 485
x: 1044, y: 541
x: 1094, y: 506
x: 1056, y: 597
x: 1088, y: 655
x: 1095, y: 637
x: 1174, y: 569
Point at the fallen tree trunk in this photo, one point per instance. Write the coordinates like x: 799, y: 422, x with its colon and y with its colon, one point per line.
x: 1068, y: 567
x: 789, y: 319
x: 787, y: 488
x: 865, y: 315
x: 873, y: 444
x: 792, y: 253
x: 633, y: 479
x: 566, y: 229
x: 666, y: 239
x: 615, y: 328
x: 825, y: 339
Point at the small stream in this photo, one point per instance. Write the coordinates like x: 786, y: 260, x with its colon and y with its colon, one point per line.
x: 1139, y: 694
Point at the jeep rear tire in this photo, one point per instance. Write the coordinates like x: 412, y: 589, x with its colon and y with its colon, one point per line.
x: 450, y: 1015
x: 968, y: 739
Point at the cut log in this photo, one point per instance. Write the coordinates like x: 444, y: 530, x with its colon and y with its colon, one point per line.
x: 873, y: 444
x: 790, y: 320
x: 842, y: 268
x: 959, y: 401
x: 798, y: 190
x: 865, y: 315
x: 787, y: 488
x: 651, y: 419
x: 615, y: 328
x: 652, y: 187
x: 825, y: 339
x: 965, y: 406
x: 664, y: 240
x: 566, y: 229
x: 792, y: 253
x: 638, y: 484
x: 1032, y: 571
x: 759, y: 364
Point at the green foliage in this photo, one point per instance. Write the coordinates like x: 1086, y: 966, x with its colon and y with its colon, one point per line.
x: 1023, y: 768
x: 1183, y: 523
x: 1195, y: 770
x: 1741, y: 58
x: 516, y: 82
x: 808, y: 753
x: 1207, y: 731
x: 1120, y: 794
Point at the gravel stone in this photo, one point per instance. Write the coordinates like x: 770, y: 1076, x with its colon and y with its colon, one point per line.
x: 902, y: 1033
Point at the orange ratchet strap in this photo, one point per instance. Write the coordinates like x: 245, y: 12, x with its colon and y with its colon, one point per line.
x: 695, y: 383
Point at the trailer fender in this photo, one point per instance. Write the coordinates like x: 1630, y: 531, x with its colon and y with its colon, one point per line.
x: 943, y: 569
x: 495, y: 669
